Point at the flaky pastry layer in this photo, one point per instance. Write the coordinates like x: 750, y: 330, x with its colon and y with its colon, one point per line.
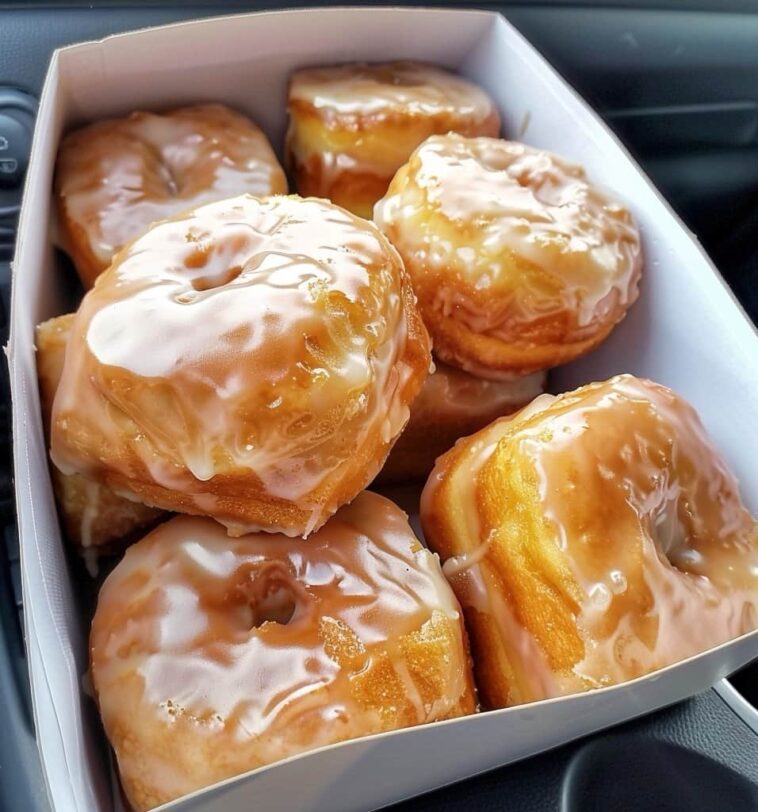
x: 591, y: 539
x: 93, y: 516
x: 518, y: 261
x: 213, y: 656
x: 253, y: 361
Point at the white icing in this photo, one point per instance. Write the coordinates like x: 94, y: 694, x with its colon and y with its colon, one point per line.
x: 185, y: 679
x: 269, y: 337
x: 397, y: 88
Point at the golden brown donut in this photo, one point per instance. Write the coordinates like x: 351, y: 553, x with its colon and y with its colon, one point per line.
x: 518, y: 262
x: 591, y: 539
x: 253, y: 361
x: 212, y: 656
x: 116, y: 177
x: 93, y: 517
x: 353, y: 126
x: 452, y: 404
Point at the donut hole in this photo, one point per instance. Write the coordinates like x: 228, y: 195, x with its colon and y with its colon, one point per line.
x: 269, y: 596
x: 671, y: 539
x: 277, y: 605
x: 523, y: 180
x: 216, y: 280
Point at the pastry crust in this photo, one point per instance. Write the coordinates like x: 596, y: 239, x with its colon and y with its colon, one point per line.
x: 213, y: 656
x: 352, y: 126
x: 253, y: 361
x: 518, y: 262
x: 591, y: 539
x: 116, y: 177
x: 93, y: 516
x: 452, y: 404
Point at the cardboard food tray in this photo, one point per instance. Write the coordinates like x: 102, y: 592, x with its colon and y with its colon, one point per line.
x: 686, y: 331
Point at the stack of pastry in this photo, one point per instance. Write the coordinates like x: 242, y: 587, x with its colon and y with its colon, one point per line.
x: 252, y: 359
x: 579, y: 535
x: 351, y: 127
x: 518, y: 262
x: 249, y: 363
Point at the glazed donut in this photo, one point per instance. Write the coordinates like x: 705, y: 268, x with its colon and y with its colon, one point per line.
x: 591, y: 539
x: 94, y: 518
x: 353, y: 126
x: 452, y: 404
x: 519, y: 264
x: 252, y: 361
x: 116, y: 177
x: 213, y: 656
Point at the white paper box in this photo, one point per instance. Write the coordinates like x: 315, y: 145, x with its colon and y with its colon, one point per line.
x: 686, y: 331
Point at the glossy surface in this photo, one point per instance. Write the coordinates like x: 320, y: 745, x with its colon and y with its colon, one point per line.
x: 407, y: 88
x: 116, y: 177
x: 593, y: 538
x: 252, y: 360
x: 93, y: 516
x: 352, y: 126
x: 518, y: 261
x: 212, y: 656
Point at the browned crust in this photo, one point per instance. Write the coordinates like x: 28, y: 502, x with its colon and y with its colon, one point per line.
x: 241, y: 500
x: 76, y: 244
x: 112, y: 520
x: 430, y: 433
x: 521, y: 349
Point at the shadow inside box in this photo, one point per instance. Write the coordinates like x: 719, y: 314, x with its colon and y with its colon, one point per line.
x: 69, y: 287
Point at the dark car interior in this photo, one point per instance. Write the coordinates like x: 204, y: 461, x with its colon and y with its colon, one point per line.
x: 678, y: 83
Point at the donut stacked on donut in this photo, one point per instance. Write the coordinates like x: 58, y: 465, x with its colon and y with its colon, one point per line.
x: 241, y: 652
x: 116, y: 177
x: 252, y: 360
x: 352, y: 126
x: 592, y: 538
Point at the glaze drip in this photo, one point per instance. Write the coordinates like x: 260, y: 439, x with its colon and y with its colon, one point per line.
x: 607, y: 524
x: 404, y: 88
x: 374, y: 641
x: 510, y: 242
x: 273, y: 339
